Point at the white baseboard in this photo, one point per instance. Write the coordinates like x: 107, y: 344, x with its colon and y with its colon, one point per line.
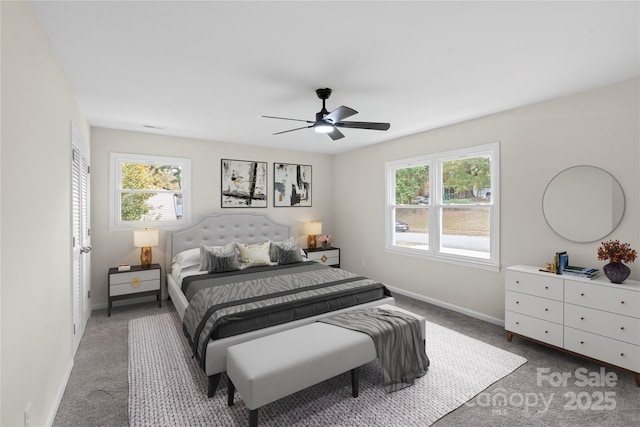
x: 448, y: 306
x: 56, y: 404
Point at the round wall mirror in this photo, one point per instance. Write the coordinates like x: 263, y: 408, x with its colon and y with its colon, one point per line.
x: 583, y: 204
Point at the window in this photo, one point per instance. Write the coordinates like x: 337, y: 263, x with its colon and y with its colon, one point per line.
x: 149, y: 191
x: 445, y: 206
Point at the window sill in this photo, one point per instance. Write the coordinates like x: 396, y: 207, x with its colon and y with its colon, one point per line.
x: 466, y: 262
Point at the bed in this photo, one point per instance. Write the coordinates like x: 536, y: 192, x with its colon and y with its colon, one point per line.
x: 313, y: 291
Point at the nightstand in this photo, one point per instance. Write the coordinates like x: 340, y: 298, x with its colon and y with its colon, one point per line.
x: 137, y: 282
x: 326, y: 256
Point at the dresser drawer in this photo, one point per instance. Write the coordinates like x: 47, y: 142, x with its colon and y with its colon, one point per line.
x: 327, y: 257
x: 541, y: 330
x: 607, y: 298
x: 547, y: 286
x: 623, y: 328
x: 602, y: 348
x: 542, y: 308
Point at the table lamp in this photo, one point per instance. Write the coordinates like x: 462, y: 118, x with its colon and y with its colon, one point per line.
x: 311, y: 228
x: 144, y: 239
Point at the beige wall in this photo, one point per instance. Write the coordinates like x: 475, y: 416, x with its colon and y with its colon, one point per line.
x: 599, y: 127
x: 111, y: 248
x: 37, y: 109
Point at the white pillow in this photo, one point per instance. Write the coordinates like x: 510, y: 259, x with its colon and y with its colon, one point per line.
x: 254, y: 254
x: 185, y: 259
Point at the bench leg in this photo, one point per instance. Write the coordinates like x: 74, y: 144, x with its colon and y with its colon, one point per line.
x: 214, y: 380
x: 253, y: 418
x: 232, y: 391
x: 355, y: 381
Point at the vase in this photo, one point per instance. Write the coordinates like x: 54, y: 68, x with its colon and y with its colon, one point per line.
x: 616, y: 272
x: 325, y: 245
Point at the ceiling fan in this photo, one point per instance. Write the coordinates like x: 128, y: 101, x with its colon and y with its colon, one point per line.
x: 329, y: 122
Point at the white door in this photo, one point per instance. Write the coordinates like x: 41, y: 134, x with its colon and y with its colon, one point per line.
x: 81, y: 239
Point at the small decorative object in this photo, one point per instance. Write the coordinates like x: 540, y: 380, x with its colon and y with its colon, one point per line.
x: 616, y: 253
x: 144, y: 239
x: 326, y: 241
x: 311, y: 229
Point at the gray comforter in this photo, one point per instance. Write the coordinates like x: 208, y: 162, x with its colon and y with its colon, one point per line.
x: 396, y: 336
x: 262, y: 298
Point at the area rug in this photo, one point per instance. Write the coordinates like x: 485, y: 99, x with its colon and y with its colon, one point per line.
x: 167, y: 388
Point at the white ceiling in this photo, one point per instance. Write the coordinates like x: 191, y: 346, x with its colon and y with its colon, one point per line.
x: 211, y: 69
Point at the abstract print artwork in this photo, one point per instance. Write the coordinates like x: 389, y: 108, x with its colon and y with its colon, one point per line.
x: 291, y: 185
x: 243, y: 184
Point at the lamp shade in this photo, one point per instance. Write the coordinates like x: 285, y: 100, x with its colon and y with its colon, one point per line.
x: 145, y: 238
x: 312, y: 228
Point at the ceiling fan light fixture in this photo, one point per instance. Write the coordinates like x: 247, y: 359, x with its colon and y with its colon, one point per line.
x: 323, y: 127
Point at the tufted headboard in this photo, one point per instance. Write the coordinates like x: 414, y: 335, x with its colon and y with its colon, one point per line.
x: 220, y: 229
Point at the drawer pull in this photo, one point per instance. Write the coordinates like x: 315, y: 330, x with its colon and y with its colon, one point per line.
x: 135, y: 282
x: 546, y: 287
x: 622, y: 354
x: 517, y: 281
x: 582, y: 294
x: 546, y: 309
x: 621, y: 302
x: 581, y: 342
x: 546, y: 332
x: 517, y: 323
x: 622, y: 328
x: 517, y: 302
x: 582, y: 318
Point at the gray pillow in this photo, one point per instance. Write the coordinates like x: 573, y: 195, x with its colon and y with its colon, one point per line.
x: 222, y: 258
x: 285, y: 244
x: 289, y: 256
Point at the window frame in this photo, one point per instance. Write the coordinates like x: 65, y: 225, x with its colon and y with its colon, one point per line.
x: 435, y: 206
x: 115, y: 190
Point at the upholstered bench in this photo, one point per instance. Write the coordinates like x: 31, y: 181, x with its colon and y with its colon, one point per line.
x: 272, y: 367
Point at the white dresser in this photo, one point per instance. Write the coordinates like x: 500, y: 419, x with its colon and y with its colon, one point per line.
x: 592, y: 318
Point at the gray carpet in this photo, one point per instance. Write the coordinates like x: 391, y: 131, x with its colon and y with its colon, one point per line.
x: 97, y: 392
x: 166, y: 387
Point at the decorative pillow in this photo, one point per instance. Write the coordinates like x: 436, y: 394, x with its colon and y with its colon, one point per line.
x: 285, y: 244
x: 254, y: 254
x: 289, y: 256
x: 205, y: 262
x: 222, y: 258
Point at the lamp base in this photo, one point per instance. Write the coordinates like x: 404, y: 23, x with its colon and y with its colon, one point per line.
x: 145, y: 256
x: 311, y: 241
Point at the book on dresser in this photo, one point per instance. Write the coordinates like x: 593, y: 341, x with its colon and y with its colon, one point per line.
x: 588, y: 317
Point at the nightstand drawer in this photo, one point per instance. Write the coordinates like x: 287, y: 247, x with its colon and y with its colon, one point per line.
x: 327, y: 256
x: 135, y: 286
x: 134, y: 276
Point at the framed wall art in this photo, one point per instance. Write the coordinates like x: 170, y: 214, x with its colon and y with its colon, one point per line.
x: 243, y: 184
x: 291, y: 185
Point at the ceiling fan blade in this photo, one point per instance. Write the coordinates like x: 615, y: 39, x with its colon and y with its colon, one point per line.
x: 335, y: 134
x: 340, y: 113
x: 364, y: 125
x: 286, y: 118
x: 291, y: 130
